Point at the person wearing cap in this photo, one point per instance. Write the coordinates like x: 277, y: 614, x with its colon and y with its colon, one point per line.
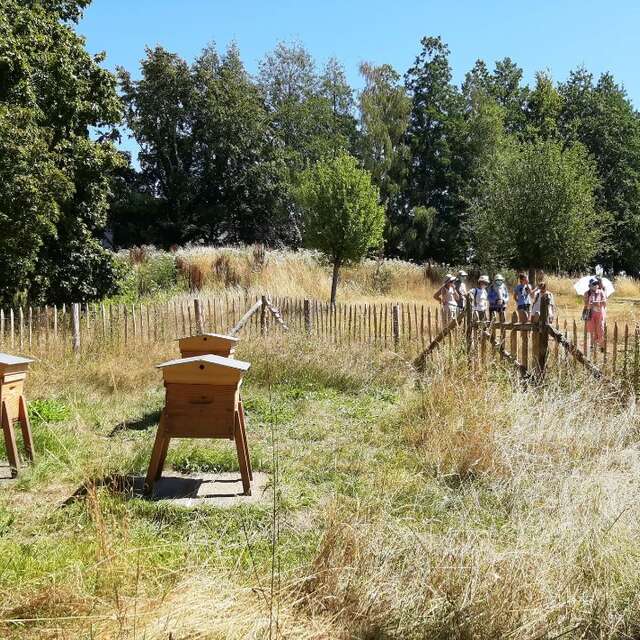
x: 448, y: 297
x: 498, y: 295
x: 480, y: 299
x: 538, y: 293
x: 595, y: 312
x: 522, y: 296
x: 461, y: 288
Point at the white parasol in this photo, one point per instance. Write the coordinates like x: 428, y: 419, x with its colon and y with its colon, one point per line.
x: 582, y: 286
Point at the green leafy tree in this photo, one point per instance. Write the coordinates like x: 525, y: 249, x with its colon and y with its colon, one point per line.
x: 342, y: 217
x: 209, y: 155
x: 537, y: 208
x: 544, y: 105
x: 310, y: 113
x: 58, y: 109
x: 436, y: 167
x: 384, y: 117
x: 601, y: 116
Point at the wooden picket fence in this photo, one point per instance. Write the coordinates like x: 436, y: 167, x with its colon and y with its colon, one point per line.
x: 532, y: 348
x: 416, y: 327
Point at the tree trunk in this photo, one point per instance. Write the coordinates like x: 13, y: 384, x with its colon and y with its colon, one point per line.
x: 532, y: 276
x: 334, y: 280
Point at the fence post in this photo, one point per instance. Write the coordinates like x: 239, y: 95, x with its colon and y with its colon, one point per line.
x: 395, y: 324
x: 263, y: 316
x: 75, y: 327
x: 197, y: 310
x: 542, y: 346
x: 468, y: 320
x: 307, y: 315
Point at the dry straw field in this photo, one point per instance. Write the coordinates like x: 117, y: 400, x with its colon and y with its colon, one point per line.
x: 452, y: 505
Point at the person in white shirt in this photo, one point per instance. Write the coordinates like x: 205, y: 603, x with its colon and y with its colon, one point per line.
x: 461, y: 288
x: 480, y: 299
x: 538, y: 292
x: 448, y: 297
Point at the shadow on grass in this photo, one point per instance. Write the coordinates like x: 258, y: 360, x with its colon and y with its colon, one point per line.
x: 139, y: 424
x: 223, y: 487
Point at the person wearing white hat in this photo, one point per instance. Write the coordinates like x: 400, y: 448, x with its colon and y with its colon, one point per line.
x: 498, y: 295
x: 461, y: 288
x: 480, y: 299
x: 448, y: 297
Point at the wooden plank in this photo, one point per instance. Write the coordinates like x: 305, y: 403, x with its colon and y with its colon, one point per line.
x: 245, y: 318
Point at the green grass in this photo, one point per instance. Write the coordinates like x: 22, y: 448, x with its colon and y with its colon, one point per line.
x: 460, y: 507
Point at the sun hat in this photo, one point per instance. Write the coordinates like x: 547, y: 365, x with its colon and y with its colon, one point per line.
x: 484, y: 279
x: 499, y: 277
x: 462, y: 273
x: 449, y: 278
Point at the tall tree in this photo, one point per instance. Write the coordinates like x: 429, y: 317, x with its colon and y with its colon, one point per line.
x: 308, y: 111
x: 58, y: 110
x: 384, y: 117
x: 208, y: 152
x: 601, y: 116
x: 434, y: 135
x: 543, y: 108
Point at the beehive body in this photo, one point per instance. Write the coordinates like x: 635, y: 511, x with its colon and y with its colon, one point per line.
x: 208, y: 343
x: 202, y: 401
x: 11, y: 388
x: 13, y: 407
x: 13, y: 372
x: 201, y: 410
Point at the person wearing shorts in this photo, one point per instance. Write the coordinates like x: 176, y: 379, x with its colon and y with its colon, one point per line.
x: 522, y: 296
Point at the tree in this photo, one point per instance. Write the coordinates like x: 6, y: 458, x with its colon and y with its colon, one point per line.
x: 544, y: 105
x: 384, y: 117
x: 209, y: 155
x: 342, y: 217
x: 601, y: 116
x: 58, y: 109
x: 537, y: 208
x: 435, y: 136
x: 311, y: 114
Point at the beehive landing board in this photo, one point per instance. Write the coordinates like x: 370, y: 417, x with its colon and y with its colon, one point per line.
x: 212, y: 489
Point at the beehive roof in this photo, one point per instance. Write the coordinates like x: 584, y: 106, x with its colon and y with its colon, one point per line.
x: 221, y: 336
x: 229, y: 363
x: 8, y: 359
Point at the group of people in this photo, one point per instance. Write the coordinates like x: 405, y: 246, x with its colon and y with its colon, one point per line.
x: 490, y: 299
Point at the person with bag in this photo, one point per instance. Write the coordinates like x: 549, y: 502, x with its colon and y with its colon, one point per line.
x: 594, y: 312
x: 498, y: 295
x: 480, y: 299
x: 522, y: 296
x: 538, y: 293
x: 448, y: 297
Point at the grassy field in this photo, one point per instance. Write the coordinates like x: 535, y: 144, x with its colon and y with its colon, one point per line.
x: 255, y: 271
x: 452, y: 506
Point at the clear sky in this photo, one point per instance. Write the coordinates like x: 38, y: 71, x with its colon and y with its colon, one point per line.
x: 553, y: 35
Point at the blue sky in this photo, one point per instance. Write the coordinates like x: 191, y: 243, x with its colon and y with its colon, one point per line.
x: 539, y: 34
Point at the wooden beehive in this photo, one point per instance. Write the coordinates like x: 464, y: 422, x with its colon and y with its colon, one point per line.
x: 208, y: 343
x: 202, y: 401
x: 13, y: 406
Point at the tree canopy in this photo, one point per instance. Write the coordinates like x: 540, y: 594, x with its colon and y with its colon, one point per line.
x: 342, y: 215
x: 536, y: 208
x: 58, y: 109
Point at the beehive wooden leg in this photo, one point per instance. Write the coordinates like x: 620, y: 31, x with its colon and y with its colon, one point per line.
x: 158, y: 456
x: 9, y: 440
x: 25, y: 425
x: 243, y: 424
x: 242, y: 456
